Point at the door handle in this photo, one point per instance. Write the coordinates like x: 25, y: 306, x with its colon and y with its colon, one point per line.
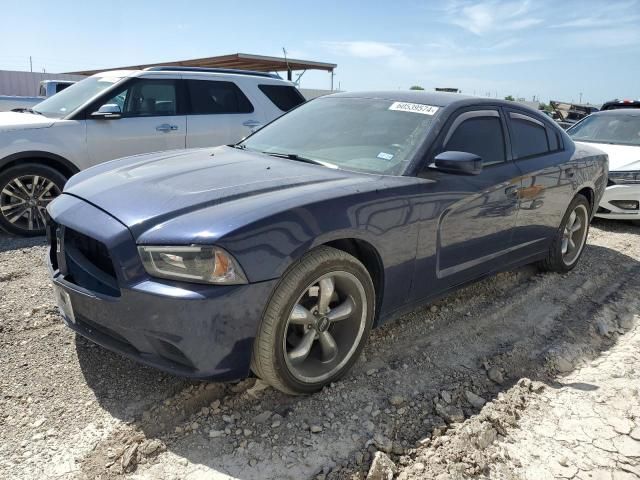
x: 165, y: 127
x: 252, y: 124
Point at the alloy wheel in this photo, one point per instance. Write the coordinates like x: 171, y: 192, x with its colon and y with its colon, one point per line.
x: 24, y: 199
x: 574, y: 234
x: 325, y: 326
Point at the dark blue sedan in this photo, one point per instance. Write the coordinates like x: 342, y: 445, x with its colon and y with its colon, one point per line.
x: 279, y: 254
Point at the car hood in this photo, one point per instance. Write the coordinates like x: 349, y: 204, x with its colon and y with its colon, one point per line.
x: 23, y: 121
x: 621, y: 157
x: 146, y: 191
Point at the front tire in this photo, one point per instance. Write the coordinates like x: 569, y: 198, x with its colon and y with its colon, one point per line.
x: 570, y: 239
x: 25, y: 192
x: 316, y: 322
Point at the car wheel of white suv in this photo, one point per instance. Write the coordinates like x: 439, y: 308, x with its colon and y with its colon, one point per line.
x: 25, y: 192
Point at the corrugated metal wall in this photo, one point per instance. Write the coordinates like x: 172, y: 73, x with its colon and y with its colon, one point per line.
x: 27, y: 83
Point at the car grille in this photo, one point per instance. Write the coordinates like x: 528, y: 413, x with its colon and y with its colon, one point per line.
x: 51, y: 230
x: 87, y: 262
x: 93, y: 251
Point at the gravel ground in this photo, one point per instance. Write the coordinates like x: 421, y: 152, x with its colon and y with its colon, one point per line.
x: 522, y: 375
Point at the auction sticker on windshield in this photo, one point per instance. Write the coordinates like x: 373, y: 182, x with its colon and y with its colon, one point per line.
x: 413, y: 107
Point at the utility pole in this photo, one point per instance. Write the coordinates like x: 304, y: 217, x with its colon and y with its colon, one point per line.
x: 580, y: 97
x: 289, y: 76
x: 30, y: 64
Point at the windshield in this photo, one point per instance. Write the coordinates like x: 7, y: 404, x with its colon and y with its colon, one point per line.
x: 65, y: 102
x: 361, y: 134
x: 616, y: 129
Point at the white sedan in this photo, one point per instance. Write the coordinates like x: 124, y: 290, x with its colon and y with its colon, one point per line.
x: 617, y: 133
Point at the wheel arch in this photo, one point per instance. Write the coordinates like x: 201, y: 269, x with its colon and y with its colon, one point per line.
x: 369, y: 256
x: 61, y: 164
x: 590, y: 195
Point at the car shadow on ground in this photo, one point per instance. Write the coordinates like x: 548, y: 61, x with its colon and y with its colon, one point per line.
x: 122, y: 386
x: 11, y: 242
x: 520, y: 322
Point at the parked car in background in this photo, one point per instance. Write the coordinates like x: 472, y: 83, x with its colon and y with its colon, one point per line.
x: 120, y: 113
x: 279, y: 254
x: 616, y: 132
x: 47, y: 89
x: 619, y: 104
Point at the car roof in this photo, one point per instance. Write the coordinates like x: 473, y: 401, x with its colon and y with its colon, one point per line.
x: 437, y: 99
x: 620, y: 104
x: 211, y: 73
x: 632, y: 112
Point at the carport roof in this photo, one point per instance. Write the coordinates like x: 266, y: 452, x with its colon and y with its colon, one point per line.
x: 241, y: 61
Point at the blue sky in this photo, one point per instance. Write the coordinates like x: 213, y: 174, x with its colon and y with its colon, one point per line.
x: 550, y: 49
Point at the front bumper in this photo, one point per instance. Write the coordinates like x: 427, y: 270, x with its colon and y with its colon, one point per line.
x: 200, y: 331
x: 606, y: 209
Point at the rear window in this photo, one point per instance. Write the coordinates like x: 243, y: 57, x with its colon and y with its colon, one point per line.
x: 529, y: 136
x: 215, y: 97
x: 285, y: 97
x: 62, y: 86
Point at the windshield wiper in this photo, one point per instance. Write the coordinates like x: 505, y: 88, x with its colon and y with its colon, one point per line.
x: 26, y: 110
x: 298, y: 158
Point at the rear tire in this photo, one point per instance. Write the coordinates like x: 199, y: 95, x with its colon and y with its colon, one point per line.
x: 568, y: 245
x: 25, y: 192
x: 316, y: 323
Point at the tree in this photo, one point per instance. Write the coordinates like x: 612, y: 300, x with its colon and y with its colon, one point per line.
x: 509, y: 97
x: 416, y: 87
x: 545, y: 107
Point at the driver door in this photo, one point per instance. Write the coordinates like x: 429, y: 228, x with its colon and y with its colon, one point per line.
x: 473, y: 232
x: 150, y: 121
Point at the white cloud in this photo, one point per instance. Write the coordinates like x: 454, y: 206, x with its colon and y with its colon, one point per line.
x: 443, y: 55
x: 602, y: 15
x: 604, y: 38
x: 491, y: 16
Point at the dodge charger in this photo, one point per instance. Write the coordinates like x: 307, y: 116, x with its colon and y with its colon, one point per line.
x: 277, y: 256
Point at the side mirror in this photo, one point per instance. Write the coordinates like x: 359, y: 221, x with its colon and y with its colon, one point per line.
x: 461, y: 163
x: 108, y: 111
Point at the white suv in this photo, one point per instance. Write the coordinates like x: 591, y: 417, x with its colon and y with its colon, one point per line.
x: 119, y: 113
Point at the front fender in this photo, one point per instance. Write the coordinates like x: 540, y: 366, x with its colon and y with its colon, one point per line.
x: 384, y: 220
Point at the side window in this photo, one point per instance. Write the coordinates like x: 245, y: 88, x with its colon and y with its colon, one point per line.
x: 480, y: 135
x: 62, y: 86
x: 147, y: 98
x: 285, y: 97
x: 217, y: 97
x: 529, y: 136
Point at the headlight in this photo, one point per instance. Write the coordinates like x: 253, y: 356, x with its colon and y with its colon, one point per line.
x: 200, y: 264
x: 624, y: 177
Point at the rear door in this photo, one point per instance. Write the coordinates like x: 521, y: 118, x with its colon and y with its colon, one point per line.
x: 219, y: 113
x: 151, y: 121
x: 538, y: 152
x: 474, y: 233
